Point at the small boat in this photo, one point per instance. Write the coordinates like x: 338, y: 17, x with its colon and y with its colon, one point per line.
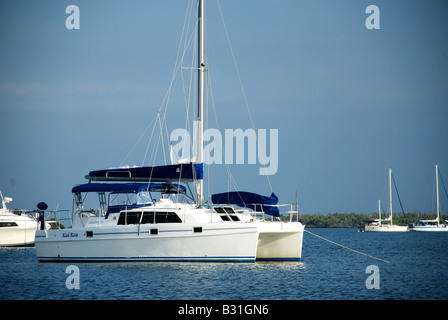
x: 385, y: 225
x: 432, y: 225
x: 16, y: 228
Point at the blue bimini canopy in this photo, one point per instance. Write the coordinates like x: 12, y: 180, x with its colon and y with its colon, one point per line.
x: 249, y: 200
x: 186, y: 172
x: 423, y: 223
x: 129, y: 187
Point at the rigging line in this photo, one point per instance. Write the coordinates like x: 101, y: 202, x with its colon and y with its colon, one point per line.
x: 137, y: 142
x: 187, y: 92
x: 383, y: 211
x: 161, y: 135
x: 187, y: 97
x: 241, y: 84
x: 236, y: 67
x: 150, y: 139
x: 359, y: 252
x: 155, y: 152
x: 443, y: 184
x: 396, y: 189
x: 177, y: 66
x: 178, y: 62
x: 167, y: 95
x: 433, y: 202
x: 212, y: 98
x: 185, y: 31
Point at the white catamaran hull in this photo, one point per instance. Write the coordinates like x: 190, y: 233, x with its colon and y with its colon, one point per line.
x: 280, y: 241
x: 213, y: 242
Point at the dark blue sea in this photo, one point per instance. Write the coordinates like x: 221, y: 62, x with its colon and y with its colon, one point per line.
x: 418, y: 270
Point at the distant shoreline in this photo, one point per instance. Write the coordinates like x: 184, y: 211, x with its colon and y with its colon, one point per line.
x: 358, y: 220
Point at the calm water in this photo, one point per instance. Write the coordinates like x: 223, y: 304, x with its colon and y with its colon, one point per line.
x: 418, y: 270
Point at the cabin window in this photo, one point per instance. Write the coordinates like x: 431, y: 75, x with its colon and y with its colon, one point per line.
x: 224, y: 217
x: 219, y: 210
x: 197, y: 229
x: 167, y: 217
x: 227, y: 213
x: 8, y: 224
x: 222, y: 213
x: 89, y: 233
x: 133, y: 217
x: 231, y: 213
x: 229, y: 209
x: 234, y: 217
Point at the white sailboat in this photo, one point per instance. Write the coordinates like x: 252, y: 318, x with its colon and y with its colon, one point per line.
x: 432, y: 225
x: 178, y: 226
x: 385, y: 225
x: 15, y: 229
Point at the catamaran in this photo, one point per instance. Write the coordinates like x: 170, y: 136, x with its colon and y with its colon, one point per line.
x: 385, y: 225
x: 149, y: 213
x: 432, y: 225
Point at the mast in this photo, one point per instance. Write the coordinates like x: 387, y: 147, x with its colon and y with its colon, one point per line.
x: 201, y: 69
x: 390, y: 194
x: 437, y: 193
x: 379, y: 210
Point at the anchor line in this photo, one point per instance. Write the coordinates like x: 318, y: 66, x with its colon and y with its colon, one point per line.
x: 359, y: 252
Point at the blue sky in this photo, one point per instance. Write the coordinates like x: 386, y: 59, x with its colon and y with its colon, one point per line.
x: 348, y: 102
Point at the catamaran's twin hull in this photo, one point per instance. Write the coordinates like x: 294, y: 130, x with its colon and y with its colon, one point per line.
x: 279, y: 241
x: 171, y: 243
x: 245, y: 242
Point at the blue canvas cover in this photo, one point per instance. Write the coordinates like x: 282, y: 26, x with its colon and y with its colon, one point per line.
x: 129, y: 187
x: 169, y: 173
x: 423, y: 223
x: 249, y: 200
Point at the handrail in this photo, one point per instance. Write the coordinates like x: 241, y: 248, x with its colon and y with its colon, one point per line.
x: 257, y: 206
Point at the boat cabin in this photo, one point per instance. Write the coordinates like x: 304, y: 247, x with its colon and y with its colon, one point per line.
x: 118, y: 197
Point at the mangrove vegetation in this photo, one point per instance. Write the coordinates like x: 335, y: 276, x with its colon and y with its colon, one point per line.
x: 358, y: 220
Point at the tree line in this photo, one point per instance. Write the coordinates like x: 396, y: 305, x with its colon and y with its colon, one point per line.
x: 358, y: 220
